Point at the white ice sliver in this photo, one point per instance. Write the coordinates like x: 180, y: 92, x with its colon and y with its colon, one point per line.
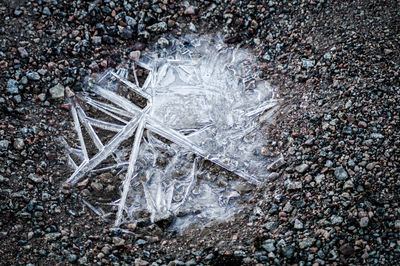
x: 205, y: 99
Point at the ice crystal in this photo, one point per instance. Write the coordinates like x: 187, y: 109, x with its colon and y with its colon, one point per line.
x: 201, y: 101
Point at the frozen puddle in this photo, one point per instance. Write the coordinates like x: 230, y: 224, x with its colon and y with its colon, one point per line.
x: 202, y: 102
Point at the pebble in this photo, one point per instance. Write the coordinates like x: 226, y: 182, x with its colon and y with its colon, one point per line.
x: 4, y: 144
x: 22, y: 52
x: 57, y: 91
x: 269, y: 245
x: 298, y: 224
x: 341, y: 173
x: 364, y: 222
x: 302, y: 168
x: 18, y: 144
x: 158, y: 27
x: 33, y: 75
x: 12, y: 86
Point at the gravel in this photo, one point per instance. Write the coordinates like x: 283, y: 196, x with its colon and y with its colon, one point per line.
x: 333, y: 196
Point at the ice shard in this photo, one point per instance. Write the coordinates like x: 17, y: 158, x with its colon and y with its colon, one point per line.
x: 203, y: 101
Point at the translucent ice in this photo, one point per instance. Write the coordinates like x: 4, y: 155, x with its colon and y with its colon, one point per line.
x: 203, y: 100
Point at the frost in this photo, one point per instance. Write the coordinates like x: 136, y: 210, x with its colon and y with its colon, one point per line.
x: 202, y: 101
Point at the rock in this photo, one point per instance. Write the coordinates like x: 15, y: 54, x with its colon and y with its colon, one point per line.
x: 288, y: 207
x: 4, y: 144
x: 319, y: 178
x: 141, y: 242
x: 97, y: 186
x: 364, y: 222
x: 341, y: 173
x: 397, y: 224
x: 336, y: 219
x: 32, y: 75
x: 190, y: 10
x: 118, y: 242
x: 362, y: 124
x: 348, y: 184
x: 140, y: 262
x: 306, y: 242
x: 271, y: 225
x: 134, y: 55
x: 22, y: 52
x: 130, y: 21
x: 158, y: 27
x: 269, y: 245
x: 57, y: 91
x: 302, y: 168
x: 12, y: 86
x: 94, y: 67
x: 288, y: 251
x: 52, y: 236
x: 277, y: 164
x: 46, y: 11
x: 126, y: 34
x: 72, y: 258
x: 307, y: 64
x: 347, y: 249
x: 293, y: 185
x: 18, y: 144
x: 35, y: 178
x: 298, y: 224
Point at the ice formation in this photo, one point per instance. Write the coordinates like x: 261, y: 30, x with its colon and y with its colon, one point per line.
x: 203, y: 101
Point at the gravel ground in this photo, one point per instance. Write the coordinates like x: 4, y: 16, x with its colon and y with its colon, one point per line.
x: 335, y: 194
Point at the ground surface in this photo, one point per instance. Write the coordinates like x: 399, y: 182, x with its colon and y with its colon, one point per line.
x: 335, y: 199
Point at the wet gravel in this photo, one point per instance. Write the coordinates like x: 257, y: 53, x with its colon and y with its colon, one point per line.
x: 335, y: 195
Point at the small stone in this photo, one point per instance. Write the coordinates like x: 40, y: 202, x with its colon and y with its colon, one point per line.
x: 302, y: 168
x: 336, y: 219
x: 42, y: 97
x: 269, y: 245
x: 4, y: 144
x: 18, y: 144
x: 306, y: 242
x: 35, y: 178
x: 362, y: 124
x: 94, y: 66
x: 288, y: 207
x: 341, y: 173
x: 190, y: 10
x: 130, y: 21
x: 98, y: 187
x: 12, y: 86
x: 22, y: 52
x: 32, y: 75
x: 288, y: 251
x: 307, y: 64
x: 397, y: 224
x: 52, y: 236
x: 370, y: 166
x: 57, y: 91
x: 134, y: 55
x: 118, y: 242
x: 364, y: 222
x: 277, y: 164
x: 141, y: 242
x: 72, y: 258
x: 158, y: 27
x: 46, y: 11
x: 348, y: 184
x: 347, y: 249
x: 293, y: 185
x: 140, y: 262
x: 298, y: 224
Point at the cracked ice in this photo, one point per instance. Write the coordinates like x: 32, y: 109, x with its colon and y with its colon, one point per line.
x: 204, y: 100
